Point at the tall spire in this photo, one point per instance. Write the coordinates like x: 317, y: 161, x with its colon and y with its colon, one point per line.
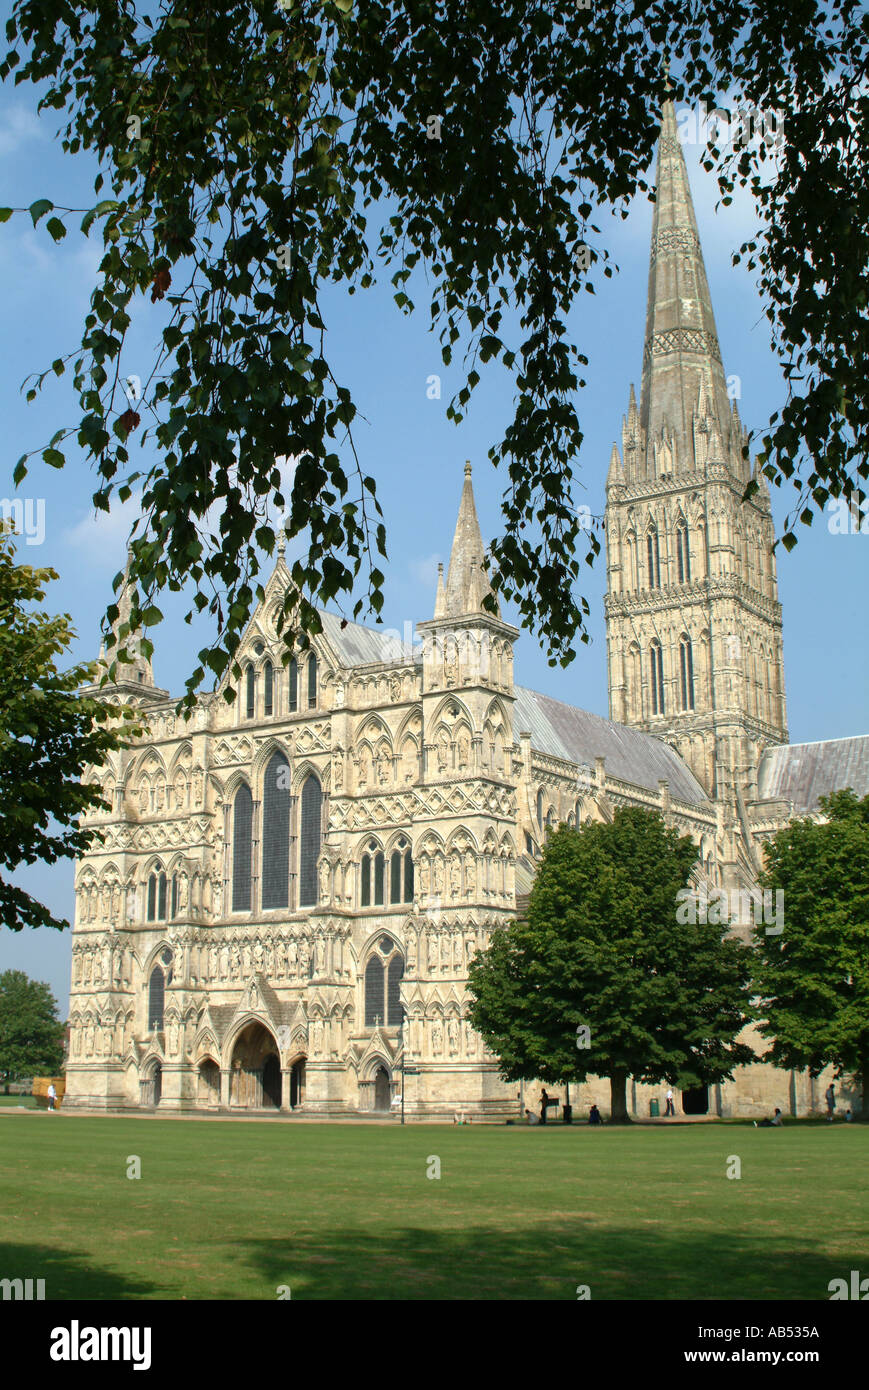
x: 681, y: 355
x: 137, y: 671
x: 467, y: 584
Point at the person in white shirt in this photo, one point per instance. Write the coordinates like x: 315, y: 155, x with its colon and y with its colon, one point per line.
x: 52, y: 1096
x: 671, y: 1109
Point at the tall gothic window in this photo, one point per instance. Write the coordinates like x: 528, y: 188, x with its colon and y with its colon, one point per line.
x: 683, y: 553
x: 312, y: 681
x: 401, y: 874
x: 268, y: 690
x: 540, y: 808
x: 174, y: 895
x: 372, y: 876
x: 309, y: 841
x: 656, y: 668
x: 383, y: 975
x: 157, y: 884
x: 653, y: 558
x: 251, y: 692
x: 242, y: 844
x: 294, y: 685
x: 276, y: 834
x: 155, y: 999
x: 686, y: 673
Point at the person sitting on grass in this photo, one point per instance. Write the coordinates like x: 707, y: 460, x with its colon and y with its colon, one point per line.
x: 531, y: 1118
x: 776, y: 1120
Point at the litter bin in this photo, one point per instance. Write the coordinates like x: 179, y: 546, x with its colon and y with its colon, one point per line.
x: 567, y: 1114
x: 654, y: 1109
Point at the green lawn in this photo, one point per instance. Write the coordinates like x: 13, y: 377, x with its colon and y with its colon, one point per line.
x: 227, y: 1210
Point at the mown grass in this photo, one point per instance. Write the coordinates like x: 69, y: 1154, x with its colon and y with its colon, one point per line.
x: 233, y: 1211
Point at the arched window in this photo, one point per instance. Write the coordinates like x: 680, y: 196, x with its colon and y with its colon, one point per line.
x: 686, y: 673
x: 656, y: 667
x: 251, y: 692
x: 242, y: 827
x: 375, y: 1005
x: 540, y: 808
x: 683, y: 553
x: 268, y: 690
x: 383, y: 975
x: 276, y: 834
x: 294, y: 685
x: 157, y: 885
x: 653, y: 558
x: 401, y: 874
x: 309, y: 841
x: 174, y: 895
x: 372, y: 876
x: 549, y: 820
x: 312, y: 681
x: 155, y: 999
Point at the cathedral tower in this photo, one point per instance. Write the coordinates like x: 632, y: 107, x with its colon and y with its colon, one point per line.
x: 694, y: 629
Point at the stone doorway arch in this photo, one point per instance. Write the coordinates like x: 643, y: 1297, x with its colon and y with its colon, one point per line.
x: 151, y: 1085
x: 255, y: 1057
x: 382, y: 1089
x: 208, y: 1082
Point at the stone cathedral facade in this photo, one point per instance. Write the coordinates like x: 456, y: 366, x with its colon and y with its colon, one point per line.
x: 289, y: 888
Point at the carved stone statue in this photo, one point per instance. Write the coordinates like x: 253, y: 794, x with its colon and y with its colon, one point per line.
x: 453, y: 1034
x: 437, y: 1036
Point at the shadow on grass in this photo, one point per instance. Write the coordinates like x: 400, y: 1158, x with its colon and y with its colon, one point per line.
x: 67, y: 1276
x: 547, y: 1261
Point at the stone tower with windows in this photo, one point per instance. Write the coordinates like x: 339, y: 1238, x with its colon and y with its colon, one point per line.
x: 694, y: 627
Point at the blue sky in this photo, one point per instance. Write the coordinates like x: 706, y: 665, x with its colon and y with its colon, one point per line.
x: 405, y: 441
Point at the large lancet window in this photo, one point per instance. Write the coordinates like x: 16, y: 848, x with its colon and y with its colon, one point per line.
x: 686, y: 673
x: 312, y: 681
x: 653, y: 558
x: 276, y: 834
x: 656, y: 671
x: 383, y: 975
x: 155, y: 999
x: 294, y: 685
x: 157, y: 885
x: 242, y: 840
x: 251, y: 692
x: 268, y: 690
x: 309, y: 841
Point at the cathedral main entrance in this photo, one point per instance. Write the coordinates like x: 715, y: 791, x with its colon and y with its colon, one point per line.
x: 255, y: 1074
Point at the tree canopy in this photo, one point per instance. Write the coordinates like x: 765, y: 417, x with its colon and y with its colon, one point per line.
x: 49, y: 737
x: 253, y: 152
x: 31, y: 1034
x: 602, y: 979
x: 814, y: 979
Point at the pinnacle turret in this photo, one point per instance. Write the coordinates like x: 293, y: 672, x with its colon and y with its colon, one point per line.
x: 466, y: 585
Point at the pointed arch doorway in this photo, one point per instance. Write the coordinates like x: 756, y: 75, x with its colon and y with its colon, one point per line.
x: 382, y: 1089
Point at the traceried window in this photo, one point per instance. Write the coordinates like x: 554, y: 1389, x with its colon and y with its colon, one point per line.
x: 383, y: 975
x: 251, y: 692
x: 310, y: 838
x: 401, y: 874
x: 656, y: 671
x: 653, y: 558
x: 268, y: 690
x: 294, y: 685
x: 686, y: 673
x: 683, y: 553
x: 312, y: 681
x: 242, y: 844
x: 372, y: 876
x: 276, y: 834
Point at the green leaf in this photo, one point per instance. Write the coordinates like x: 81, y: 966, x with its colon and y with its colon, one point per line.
x: 5, y: 214
x: 40, y: 208
x: 56, y: 228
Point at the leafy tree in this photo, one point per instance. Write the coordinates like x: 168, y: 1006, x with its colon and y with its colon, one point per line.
x: 49, y: 736
x: 602, y: 950
x: 814, y: 979
x: 258, y: 151
x: 31, y: 1034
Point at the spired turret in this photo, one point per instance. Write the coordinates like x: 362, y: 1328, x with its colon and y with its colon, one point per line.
x: 134, y: 674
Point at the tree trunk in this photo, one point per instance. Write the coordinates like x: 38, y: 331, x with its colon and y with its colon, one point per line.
x: 618, y: 1098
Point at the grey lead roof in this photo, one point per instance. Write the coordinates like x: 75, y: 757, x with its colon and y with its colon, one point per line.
x: 580, y: 737
x: 801, y: 772
x: 359, y: 646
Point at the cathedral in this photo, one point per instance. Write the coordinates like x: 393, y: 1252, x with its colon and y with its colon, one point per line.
x: 288, y: 889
